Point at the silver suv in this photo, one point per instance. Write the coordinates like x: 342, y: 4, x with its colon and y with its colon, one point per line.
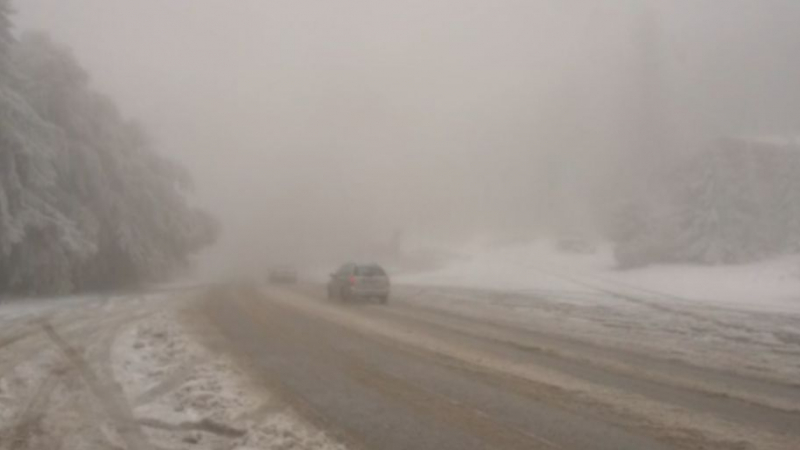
x: 354, y: 281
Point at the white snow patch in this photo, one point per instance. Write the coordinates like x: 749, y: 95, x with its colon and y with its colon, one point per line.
x: 18, y: 308
x: 171, y: 379
x: 767, y: 286
x: 739, y: 318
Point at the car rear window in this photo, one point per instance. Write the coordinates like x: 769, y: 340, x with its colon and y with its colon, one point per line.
x: 370, y: 271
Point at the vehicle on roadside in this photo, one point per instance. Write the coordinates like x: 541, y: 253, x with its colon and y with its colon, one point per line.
x: 359, y: 281
x: 282, y: 275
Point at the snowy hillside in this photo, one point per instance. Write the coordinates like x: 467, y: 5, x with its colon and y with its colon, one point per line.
x: 772, y: 285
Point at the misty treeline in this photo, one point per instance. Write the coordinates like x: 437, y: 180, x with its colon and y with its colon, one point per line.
x: 712, y: 172
x: 85, y: 202
x: 737, y: 201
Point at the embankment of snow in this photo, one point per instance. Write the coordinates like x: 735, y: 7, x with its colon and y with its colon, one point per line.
x: 539, y: 266
x: 183, y: 396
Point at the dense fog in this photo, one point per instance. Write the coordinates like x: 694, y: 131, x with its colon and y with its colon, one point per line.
x: 318, y: 130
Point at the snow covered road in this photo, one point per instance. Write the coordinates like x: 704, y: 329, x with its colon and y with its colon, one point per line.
x: 424, y: 372
x: 237, y: 367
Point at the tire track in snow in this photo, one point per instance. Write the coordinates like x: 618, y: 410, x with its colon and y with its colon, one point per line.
x: 109, y: 398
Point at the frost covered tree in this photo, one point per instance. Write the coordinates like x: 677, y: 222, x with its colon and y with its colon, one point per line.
x: 716, y: 213
x: 6, y: 36
x: 786, y: 173
x: 85, y: 201
x: 32, y: 228
x: 734, y: 203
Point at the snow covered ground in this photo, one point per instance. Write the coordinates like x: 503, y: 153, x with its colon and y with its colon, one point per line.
x: 128, y: 372
x: 538, y: 266
x: 19, y: 308
x: 183, y: 394
x: 742, y: 319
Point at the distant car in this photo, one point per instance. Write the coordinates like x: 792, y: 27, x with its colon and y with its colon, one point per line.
x: 283, y: 275
x: 575, y: 244
x: 359, y: 281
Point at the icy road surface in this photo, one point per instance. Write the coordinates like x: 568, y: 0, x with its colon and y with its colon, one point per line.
x: 434, y: 370
x: 238, y: 367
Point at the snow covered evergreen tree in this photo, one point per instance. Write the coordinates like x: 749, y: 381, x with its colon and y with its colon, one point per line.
x: 786, y: 205
x: 85, y: 202
x: 6, y: 36
x: 734, y: 203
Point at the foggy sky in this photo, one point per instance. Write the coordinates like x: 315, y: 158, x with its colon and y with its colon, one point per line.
x: 321, y: 127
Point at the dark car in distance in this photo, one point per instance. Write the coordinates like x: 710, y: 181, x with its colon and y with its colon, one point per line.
x: 282, y: 275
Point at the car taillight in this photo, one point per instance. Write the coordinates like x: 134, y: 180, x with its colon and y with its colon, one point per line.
x: 352, y: 281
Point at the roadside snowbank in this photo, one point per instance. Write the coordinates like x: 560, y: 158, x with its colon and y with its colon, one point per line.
x: 185, y: 397
x: 16, y: 308
x: 767, y: 286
